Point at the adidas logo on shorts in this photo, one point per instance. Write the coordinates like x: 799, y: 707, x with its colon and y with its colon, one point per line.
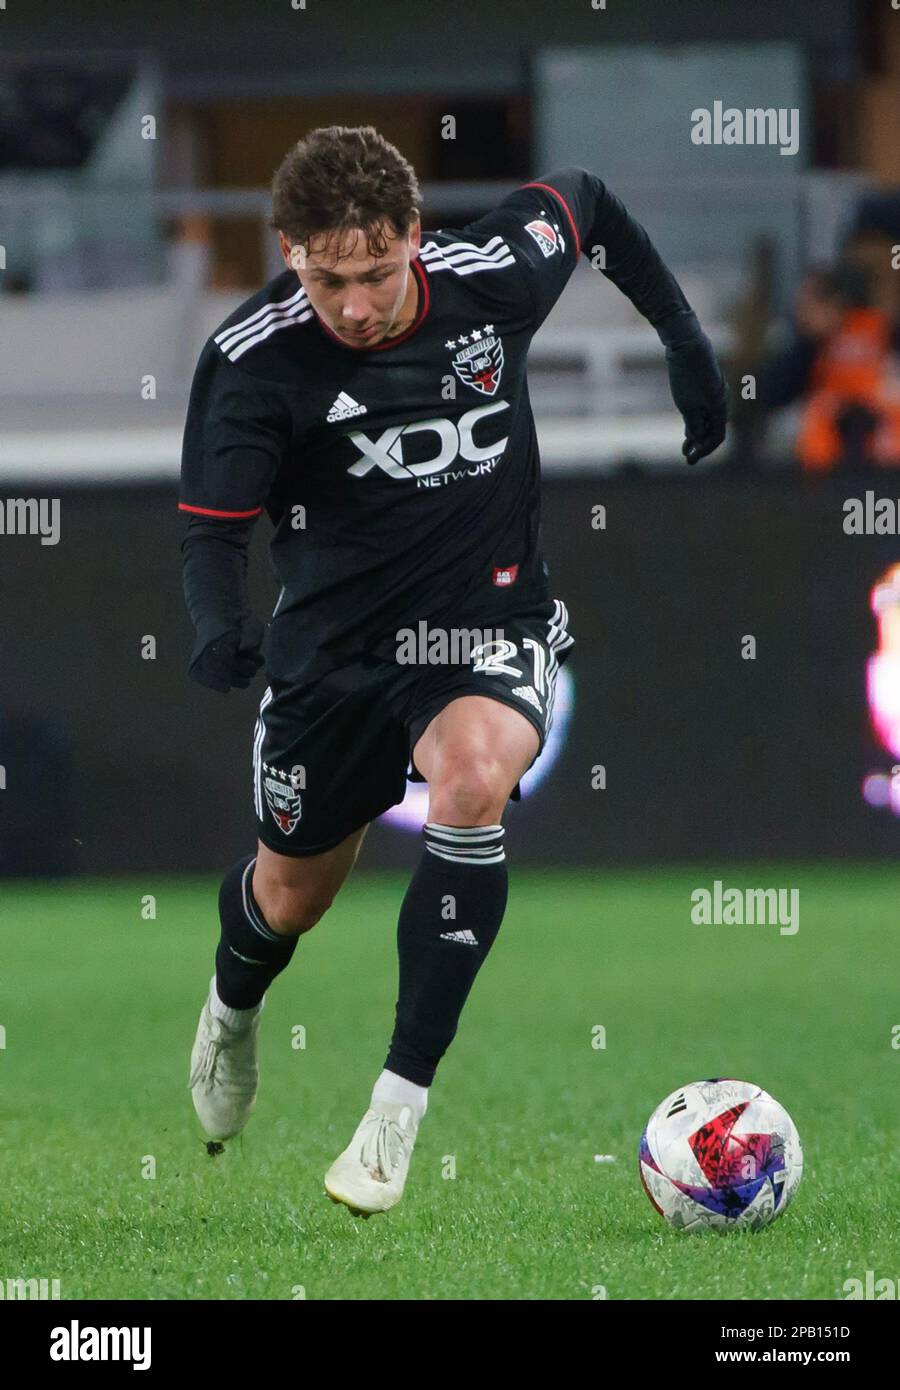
x: 527, y: 692
x: 344, y: 408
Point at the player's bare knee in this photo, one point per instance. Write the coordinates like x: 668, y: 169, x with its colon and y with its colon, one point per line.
x: 468, y: 792
x: 290, y: 911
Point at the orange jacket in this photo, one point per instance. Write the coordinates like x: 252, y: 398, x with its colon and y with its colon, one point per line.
x: 852, y: 368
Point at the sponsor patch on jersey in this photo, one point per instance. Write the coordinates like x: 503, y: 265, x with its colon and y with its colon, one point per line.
x: 479, y: 361
x: 282, y: 797
x: 504, y: 577
x: 547, y: 237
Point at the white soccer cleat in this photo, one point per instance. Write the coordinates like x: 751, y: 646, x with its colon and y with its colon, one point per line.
x: 370, y: 1174
x: 224, y: 1074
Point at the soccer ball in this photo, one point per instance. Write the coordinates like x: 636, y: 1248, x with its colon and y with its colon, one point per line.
x: 718, y: 1155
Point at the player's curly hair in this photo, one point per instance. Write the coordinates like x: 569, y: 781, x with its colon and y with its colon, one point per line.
x: 342, y: 177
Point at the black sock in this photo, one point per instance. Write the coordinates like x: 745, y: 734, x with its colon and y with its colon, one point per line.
x: 450, y: 915
x: 249, y: 954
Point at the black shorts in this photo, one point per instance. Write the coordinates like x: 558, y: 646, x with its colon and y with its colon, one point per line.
x: 330, y: 756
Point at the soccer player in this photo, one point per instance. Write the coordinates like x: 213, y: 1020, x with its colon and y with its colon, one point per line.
x: 372, y: 399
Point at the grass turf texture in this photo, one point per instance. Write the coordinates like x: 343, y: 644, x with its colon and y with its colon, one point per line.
x: 100, y: 1008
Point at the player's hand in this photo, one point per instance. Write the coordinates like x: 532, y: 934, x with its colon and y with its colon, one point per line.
x: 232, y: 659
x: 699, y: 391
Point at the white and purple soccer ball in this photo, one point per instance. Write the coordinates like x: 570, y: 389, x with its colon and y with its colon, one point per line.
x: 721, y: 1155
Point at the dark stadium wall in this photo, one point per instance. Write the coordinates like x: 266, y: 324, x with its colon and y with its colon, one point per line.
x: 116, y: 763
x: 361, y: 46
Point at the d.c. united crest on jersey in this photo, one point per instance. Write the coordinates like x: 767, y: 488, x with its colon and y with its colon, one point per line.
x: 479, y: 359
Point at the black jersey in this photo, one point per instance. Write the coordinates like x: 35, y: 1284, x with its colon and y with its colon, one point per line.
x: 403, y: 479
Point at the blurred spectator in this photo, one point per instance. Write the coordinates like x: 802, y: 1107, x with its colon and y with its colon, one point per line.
x: 841, y: 362
x: 15, y: 283
x: 51, y: 115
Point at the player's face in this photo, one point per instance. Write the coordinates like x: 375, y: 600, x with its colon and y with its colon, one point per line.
x: 361, y: 298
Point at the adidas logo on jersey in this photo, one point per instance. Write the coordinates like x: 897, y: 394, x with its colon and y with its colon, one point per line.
x: 527, y: 692
x: 344, y: 408
x: 466, y: 937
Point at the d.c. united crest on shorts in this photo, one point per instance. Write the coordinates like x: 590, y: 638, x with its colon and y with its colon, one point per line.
x: 479, y: 359
x: 282, y: 797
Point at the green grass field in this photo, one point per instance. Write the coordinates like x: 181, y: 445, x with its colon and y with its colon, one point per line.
x: 100, y: 1006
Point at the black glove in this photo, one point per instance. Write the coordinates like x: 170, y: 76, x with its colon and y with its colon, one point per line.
x: 699, y: 391
x: 231, y: 659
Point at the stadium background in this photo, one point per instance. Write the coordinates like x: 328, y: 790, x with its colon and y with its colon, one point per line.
x: 121, y: 253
